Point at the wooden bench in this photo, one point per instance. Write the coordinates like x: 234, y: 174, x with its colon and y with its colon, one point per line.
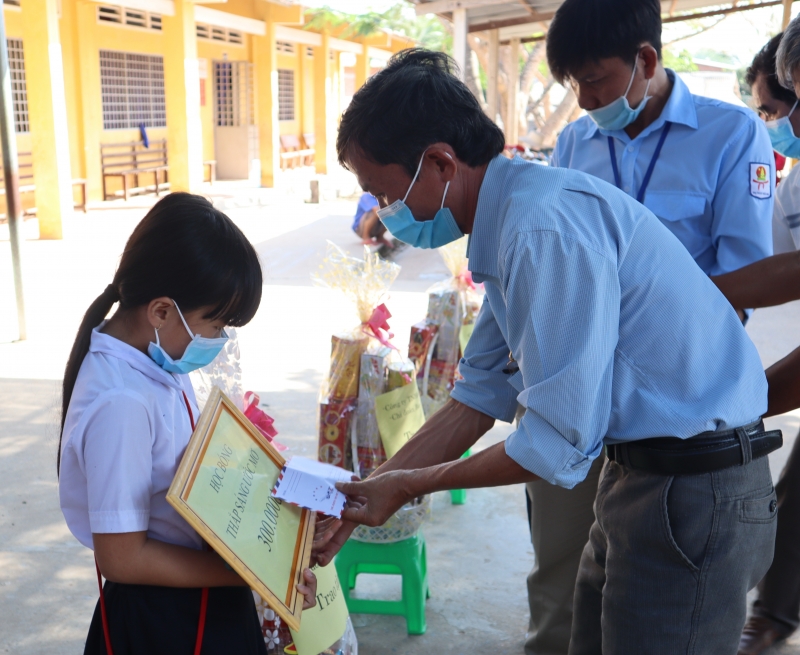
x: 131, y: 159
x: 26, y: 185
x: 292, y: 152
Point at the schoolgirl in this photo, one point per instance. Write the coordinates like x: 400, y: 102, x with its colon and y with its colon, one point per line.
x: 128, y: 412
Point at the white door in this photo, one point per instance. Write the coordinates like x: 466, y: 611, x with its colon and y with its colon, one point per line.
x: 235, y: 132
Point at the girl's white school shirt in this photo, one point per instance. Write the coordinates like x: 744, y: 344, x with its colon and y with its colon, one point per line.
x: 125, y: 433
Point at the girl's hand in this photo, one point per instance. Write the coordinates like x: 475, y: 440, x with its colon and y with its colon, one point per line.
x: 309, y: 589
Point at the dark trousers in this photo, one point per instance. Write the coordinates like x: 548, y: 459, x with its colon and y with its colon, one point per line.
x: 670, y: 560
x: 779, y: 591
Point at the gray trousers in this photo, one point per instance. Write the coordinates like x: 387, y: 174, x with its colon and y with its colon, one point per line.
x: 560, y: 523
x: 779, y: 591
x: 670, y: 560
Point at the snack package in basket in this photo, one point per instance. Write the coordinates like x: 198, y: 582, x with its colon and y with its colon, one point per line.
x: 348, y: 431
x: 364, y: 365
x: 436, y: 344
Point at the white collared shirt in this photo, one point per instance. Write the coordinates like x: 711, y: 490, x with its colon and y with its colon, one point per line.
x: 786, y: 217
x: 125, y: 433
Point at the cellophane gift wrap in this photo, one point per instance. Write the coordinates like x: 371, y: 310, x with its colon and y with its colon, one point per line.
x: 364, y: 364
x: 435, y: 343
x: 279, y: 640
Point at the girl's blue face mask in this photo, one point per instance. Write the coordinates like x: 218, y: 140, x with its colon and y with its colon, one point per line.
x: 200, y: 352
x: 781, y: 134
x: 399, y: 220
x: 618, y: 114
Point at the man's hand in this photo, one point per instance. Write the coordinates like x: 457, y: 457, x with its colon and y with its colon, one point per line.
x: 383, y: 495
x: 308, y: 589
x: 331, y: 533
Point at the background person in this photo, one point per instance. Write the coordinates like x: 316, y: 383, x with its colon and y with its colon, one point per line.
x: 581, y: 281
x: 776, y: 610
x: 641, y: 127
x: 366, y: 223
x: 777, y: 105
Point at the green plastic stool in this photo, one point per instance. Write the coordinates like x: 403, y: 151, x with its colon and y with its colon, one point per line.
x: 406, y: 558
x: 459, y: 496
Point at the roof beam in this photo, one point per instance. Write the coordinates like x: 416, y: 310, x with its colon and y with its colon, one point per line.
x: 510, y: 22
x: 444, y: 6
x: 734, y: 8
x: 231, y: 21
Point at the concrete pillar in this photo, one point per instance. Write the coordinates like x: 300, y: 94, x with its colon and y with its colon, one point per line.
x: 89, y: 93
x: 47, y: 113
x: 460, y: 39
x: 266, y: 67
x: 182, y: 91
x: 491, y: 74
x: 324, y: 103
x: 362, y: 67
x: 512, y: 125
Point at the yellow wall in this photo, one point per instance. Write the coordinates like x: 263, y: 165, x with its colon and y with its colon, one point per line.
x: 82, y: 36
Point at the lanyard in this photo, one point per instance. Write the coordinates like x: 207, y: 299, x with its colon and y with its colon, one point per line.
x: 201, y: 624
x: 613, y: 151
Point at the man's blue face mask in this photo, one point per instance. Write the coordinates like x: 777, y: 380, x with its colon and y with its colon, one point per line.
x: 618, y: 114
x: 438, y: 232
x: 200, y: 352
x: 781, y: 134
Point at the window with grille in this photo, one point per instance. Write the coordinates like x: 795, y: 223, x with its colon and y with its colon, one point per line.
x: 132, y: 87
x: 130, y: 17
x: 19, y: 89
x: 285, y: 47
x: 233, y: 94
x: 309, y: 51
x: 285, y: 94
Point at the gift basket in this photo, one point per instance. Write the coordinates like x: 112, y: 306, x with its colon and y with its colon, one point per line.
x: 364, y: 365
x: 436, y: 343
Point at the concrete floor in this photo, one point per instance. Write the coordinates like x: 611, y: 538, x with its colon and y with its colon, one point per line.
x: 479, y: 553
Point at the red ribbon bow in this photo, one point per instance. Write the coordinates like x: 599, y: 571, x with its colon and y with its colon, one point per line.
x: 260, y: 419
x: 465, y: 279
x: 377, y: 326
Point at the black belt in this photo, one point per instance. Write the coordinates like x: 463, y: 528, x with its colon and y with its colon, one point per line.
x: 703, y: 453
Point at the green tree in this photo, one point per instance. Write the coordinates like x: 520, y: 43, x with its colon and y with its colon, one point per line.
x: 680, y: 63
x: 401, y: 19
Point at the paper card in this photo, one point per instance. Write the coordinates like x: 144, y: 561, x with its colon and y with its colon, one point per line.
x: 306, y: 483
x: 400, y: 415
x: 464, y: 336
x: 325, y: 623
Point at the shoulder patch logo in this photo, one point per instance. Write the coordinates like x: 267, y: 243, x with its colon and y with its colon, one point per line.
x: 760, y: 183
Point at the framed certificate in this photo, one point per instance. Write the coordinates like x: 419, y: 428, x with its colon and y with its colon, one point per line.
x: 223, y: 490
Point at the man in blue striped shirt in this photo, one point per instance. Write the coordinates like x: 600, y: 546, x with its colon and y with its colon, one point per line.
x: 597, y: 321
x: 705, y: 168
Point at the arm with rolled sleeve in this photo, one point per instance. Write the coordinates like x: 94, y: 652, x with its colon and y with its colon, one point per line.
x: 742, y: 226
x: 563, y: 299
x: 118, y: 465
x: 484, y: 385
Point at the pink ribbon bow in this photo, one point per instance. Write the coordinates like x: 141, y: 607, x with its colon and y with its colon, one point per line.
x: 260, y: 419
x: 465, y: 279
x: 377, y: 326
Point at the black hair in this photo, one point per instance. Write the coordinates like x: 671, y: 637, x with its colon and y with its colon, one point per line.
x: 416, y: 101
x: 184, y: 249
x: 764, y: 64
x: 584, y: 31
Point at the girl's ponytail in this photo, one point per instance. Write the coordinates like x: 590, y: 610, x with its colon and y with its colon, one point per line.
x: 184, y: 249
x: 97, y: 311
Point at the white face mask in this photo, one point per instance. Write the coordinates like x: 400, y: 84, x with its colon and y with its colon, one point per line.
x: 618, y: 114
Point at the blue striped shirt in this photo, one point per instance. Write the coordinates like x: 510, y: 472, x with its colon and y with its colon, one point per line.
x: 618, y: 334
